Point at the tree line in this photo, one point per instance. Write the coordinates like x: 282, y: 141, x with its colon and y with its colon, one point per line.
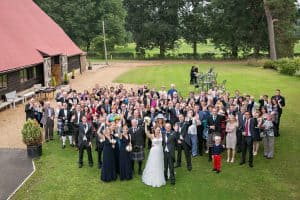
x: 247, y: 26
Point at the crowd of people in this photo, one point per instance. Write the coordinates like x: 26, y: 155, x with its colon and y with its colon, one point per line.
x: 122, y: 123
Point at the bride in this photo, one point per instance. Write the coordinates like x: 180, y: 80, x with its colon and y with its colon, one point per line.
x: 153, y: 174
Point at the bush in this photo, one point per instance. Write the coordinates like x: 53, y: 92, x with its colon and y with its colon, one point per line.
x: 269, y: 64
x: 208, y: 56
x: 32, y: 133
x: 288, y: 66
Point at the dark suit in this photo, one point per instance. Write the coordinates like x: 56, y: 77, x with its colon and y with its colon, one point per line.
x: 247, y: 141
x: 280, y: 99
x: 29, y: 110
x: 169, y: 142
x: 76, y: 124
x: 185, y: 144
x: 84, y: 139
x: 212, y: 133
x: 49, y: 126
x: 65, y: 120
x: 239, y: 131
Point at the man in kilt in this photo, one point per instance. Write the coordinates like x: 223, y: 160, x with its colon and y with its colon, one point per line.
x: 137, y: 134
x: 64, y: 116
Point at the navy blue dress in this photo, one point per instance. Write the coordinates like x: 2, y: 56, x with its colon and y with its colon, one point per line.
x: 108, y: 170
x: 125, y: 161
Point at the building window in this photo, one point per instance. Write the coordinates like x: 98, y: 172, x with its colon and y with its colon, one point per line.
x: 3, y: 81
x: 23, y: 75
x: 27, y: 74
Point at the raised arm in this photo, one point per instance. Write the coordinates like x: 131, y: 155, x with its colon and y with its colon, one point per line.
x: 147, y: 132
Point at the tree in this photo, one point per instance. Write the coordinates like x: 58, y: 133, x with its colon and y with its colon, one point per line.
x: 154, y: 23
x: 238, y: 25
x: 194, y: 23
x: 82, y: 19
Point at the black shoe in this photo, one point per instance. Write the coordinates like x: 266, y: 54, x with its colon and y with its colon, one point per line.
x: 251, y: 165
x: 80, y: 165
x: 209, y: 160
x: 72, y: 145
x: 218, y: 171
x: 63, y: 146
x: 91, y: 164
x: 140, y: 172
x: 239, y: 151
x: 189, y: 168
x: 200, y: 154
x: 177, y: 166
x: 214, y: 170
x: 47, y: 140
x: 172, y: 182
x: 241, y: 163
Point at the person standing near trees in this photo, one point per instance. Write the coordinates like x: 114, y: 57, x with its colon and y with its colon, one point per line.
x: 281, y: 103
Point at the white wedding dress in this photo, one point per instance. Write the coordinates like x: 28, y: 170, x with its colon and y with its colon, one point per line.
x: 153, y: 174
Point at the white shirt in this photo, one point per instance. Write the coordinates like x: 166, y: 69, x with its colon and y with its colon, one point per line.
x: 166, y: 138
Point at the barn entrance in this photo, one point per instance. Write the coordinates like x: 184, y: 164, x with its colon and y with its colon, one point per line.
x: 56, y: 70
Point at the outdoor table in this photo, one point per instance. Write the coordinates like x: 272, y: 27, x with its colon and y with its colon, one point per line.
x: 47, y: 90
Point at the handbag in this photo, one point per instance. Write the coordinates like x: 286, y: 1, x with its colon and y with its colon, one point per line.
x: 66, y: 127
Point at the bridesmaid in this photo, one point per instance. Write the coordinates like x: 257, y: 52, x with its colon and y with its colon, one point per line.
x: 231, y: 128
x: 108, y: 172
x: 124, y: 156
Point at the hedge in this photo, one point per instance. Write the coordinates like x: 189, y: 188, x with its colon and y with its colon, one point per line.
x: 288, y: 66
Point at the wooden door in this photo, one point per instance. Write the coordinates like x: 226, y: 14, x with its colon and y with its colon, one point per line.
x: 56, y: 73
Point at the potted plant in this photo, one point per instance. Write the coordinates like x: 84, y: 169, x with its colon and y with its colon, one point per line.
x: 53, y: 82
x: 66, y: 78
x: 32, y: 137
x: 73, y: 74
x: 90, y: 66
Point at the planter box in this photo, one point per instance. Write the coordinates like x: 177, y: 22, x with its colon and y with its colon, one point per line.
x: 34, y: 151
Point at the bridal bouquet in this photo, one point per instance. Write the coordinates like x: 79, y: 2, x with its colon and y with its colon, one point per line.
x: 147, y: 120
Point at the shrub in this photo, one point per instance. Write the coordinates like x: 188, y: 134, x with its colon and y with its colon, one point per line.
x: 66, y: 78
x: 208, y: 56
x: 32, y: 133
x: 269, y: 64
x: 288, y: 66
x: 53, y: 82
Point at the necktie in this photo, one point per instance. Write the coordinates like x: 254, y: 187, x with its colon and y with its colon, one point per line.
x: 246, y: 128
x: 214, y: 118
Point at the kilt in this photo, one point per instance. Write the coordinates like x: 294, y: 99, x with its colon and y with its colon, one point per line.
x: 138, y: 153
x: 211, y: 138
x: 60, y: 126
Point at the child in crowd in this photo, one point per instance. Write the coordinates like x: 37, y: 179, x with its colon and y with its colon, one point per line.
x: 216, y: 154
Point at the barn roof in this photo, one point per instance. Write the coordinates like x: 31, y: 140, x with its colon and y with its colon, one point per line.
x: 27, y: 32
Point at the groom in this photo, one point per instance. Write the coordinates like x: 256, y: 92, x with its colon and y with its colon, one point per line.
x: 169, y: 141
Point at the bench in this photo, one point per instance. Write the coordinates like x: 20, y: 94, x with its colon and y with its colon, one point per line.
x: 13, y: 98
x: 27, y: 95
x: 4, y: 104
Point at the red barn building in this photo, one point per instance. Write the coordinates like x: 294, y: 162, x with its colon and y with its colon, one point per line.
x: 33, y: 47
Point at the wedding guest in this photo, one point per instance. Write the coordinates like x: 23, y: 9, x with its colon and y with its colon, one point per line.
x: 231, y: 128
x: 184, y: 141
x: 85, y: 141
x: 192, y: 132
x: 281, y: 103
x: 76, y: 120
x: 138, y: 143
x: 125, y: 155
x: 29, y: 109
x: 247, y: 139
x: 169, y: 142
x: 217, y: 149
x: 268, y: 139
x: 99, y: 144
x: 108, y: 171
x: 49, y: 115
x: 241, y: 119
x: 64, y: 116
x: 256, y: 139
x: 214, y: 124
x: 172, y: 90
x: 38, y: 113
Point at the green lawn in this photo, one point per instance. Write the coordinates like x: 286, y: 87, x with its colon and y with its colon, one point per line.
x: 58, y: 176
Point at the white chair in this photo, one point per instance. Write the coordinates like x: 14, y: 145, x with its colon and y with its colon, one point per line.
x: 13, y: 98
